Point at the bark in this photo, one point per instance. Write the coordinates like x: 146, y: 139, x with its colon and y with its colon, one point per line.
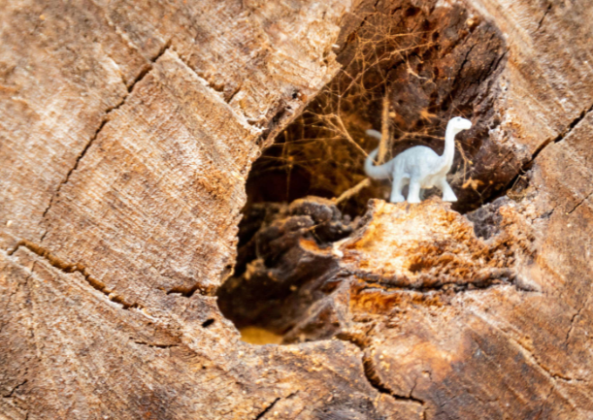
x: 127, y: 135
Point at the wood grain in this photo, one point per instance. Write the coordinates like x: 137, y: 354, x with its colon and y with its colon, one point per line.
x: 127, y: 131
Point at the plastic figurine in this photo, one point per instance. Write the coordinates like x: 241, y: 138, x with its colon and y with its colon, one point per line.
x: 419, y: 166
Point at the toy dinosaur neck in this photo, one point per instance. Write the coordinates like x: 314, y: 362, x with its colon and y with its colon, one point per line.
x: 449, y: 154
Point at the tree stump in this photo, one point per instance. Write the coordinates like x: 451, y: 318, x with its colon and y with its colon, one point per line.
x: 128, y: 133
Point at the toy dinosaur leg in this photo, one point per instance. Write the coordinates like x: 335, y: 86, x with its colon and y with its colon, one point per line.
x: 448, y: 194
x: 397, y: 185
x: 414, y: 191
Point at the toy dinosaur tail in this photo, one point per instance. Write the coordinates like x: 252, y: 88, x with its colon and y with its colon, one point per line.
x: 376, y: 172
x: 374, y: 133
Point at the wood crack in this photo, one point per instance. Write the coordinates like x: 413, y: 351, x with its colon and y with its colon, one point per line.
x: 188, y: 292
x: 372, y: 376
x: 156, y: 346
x: 73, y: 268
x: 374, y: 379
x: 561, y: 136
x: 267, y: 409
x: 351, y: 338
x: 218, y: 90
x: 574, y: 318
x: 553, y: 376
x: 464, y: 62
x: 13, y: 390
x: 541, y: 21
x: 106, y: 116
x: 580, y: 203
x: 527, y: 165
x: 488, y: 280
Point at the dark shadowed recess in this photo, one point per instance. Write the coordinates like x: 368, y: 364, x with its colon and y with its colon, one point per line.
x: 428, y: 64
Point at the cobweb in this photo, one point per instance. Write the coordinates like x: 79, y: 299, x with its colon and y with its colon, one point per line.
x: 389, y: 83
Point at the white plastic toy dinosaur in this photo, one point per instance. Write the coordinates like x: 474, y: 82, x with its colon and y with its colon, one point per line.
x: 419, y: 166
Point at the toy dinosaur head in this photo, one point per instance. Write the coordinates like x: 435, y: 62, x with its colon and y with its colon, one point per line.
x: 458, y: 124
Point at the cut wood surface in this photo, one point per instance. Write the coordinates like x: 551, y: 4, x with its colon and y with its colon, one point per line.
x: 127, y: 133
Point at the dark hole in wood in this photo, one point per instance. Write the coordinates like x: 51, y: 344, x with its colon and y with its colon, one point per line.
x: 428, y: 76
x: 208, y: 323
